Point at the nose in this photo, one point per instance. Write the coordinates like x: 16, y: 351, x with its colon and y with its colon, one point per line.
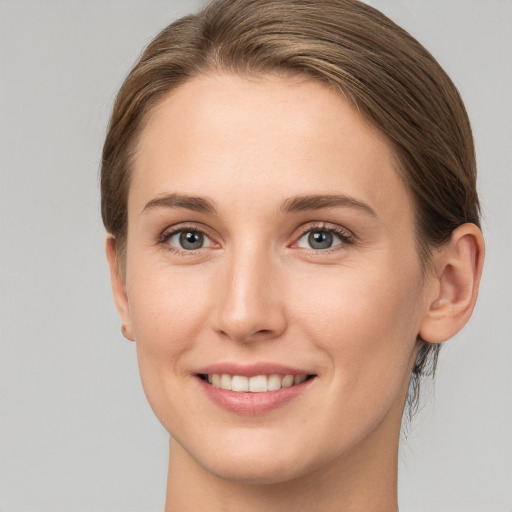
x: 250, y: 303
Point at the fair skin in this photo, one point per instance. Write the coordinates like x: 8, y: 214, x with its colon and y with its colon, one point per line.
x: 330, y: 286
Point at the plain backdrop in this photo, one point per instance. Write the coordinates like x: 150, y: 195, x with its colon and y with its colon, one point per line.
x: 76, y: 433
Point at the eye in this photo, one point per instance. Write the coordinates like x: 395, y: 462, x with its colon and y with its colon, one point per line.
x: 187, y: 239
x: 321, y: 239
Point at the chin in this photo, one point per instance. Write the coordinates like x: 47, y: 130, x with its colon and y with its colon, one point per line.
x: 259, y: 471
x: 252, y: 458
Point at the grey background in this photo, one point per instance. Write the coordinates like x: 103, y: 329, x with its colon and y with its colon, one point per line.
x: 76, y: 433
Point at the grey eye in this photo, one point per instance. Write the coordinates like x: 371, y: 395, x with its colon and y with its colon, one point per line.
x: 191, y: 240
x: 320, y: 239
x: 188, y: 240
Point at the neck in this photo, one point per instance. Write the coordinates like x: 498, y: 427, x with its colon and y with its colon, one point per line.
x: 364, y: 479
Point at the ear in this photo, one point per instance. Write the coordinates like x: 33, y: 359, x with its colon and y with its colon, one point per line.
x: 452, y: 296
x: 118, y: 288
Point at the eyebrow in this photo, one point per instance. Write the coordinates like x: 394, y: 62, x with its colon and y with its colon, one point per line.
x: 317, y: 202
x: 197, y: 204
x: 290, y: 205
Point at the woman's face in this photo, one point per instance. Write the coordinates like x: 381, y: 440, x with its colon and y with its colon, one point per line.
x: 270, y: 235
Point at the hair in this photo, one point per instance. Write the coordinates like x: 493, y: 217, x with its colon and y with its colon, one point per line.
x: 384, y: 72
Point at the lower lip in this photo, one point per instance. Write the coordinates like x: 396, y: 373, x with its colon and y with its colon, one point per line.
x: 252, y: 404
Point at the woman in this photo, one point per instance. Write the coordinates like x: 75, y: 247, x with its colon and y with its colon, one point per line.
x: 289, y: 192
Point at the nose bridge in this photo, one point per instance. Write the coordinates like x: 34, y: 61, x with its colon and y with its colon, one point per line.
x: 249, y: 306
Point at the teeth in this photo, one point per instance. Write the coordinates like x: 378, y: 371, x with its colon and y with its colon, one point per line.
x: 256, y: 384
x: 274, y: 382
x: 299, y: 379
x: 239, y: 383
x: 287, y: 381
x: 225, y: 381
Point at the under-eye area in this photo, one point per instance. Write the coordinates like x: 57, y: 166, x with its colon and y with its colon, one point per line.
x: 256, y: 383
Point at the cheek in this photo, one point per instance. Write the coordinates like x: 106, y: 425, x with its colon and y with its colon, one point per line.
x: 366, y: 327
x: 366, y: 323
x: 168, y: 311
x: 167, y: 305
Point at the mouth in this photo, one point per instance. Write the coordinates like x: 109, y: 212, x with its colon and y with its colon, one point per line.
x: 256, y: 388
x: 254, y: 384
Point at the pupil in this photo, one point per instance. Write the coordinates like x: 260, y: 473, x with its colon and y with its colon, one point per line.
x: 320, y: 240
x: 191, y: 240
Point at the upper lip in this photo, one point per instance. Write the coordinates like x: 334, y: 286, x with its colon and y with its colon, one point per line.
x: 251, y: 370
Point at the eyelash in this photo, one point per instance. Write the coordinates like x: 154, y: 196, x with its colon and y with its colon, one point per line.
x: 344, y: 235
x: 180, y: 229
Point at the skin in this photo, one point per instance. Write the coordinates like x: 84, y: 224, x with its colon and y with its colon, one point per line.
x: 257, y: 291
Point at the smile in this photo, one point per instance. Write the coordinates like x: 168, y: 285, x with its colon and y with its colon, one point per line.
x: 256, y: 388
x: 255, y: 384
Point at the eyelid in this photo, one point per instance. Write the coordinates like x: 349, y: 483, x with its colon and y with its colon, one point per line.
x: 184, y: 226
x: 346, y: 236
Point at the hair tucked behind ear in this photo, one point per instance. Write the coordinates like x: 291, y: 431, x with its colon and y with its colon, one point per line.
x: 383, y: 71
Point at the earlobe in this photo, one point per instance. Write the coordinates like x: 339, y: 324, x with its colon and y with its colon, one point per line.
x: 118, y: 288
x: 457, y: 271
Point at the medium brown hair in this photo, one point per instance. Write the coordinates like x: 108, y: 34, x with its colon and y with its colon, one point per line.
x: 384, y: 72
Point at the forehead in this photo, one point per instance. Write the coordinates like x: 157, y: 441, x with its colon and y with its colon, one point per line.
x: 226, y: 136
